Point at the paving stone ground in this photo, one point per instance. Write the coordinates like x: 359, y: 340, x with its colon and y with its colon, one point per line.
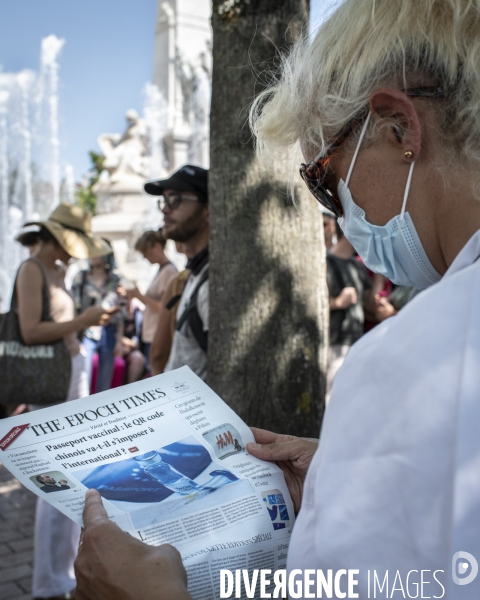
x: 17, y: 513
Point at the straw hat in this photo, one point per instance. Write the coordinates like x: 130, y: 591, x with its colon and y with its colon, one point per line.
x: 71, y: 227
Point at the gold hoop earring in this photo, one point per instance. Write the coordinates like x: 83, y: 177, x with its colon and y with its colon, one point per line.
x: 408, y: 154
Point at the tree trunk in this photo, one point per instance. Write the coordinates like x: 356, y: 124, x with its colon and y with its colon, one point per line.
x: 268, y: 306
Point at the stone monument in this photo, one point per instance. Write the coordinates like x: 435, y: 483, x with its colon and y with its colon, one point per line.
x: 181, y: 85
x: 126, y: 156
x: 182, y: 73
x: 124, y: 211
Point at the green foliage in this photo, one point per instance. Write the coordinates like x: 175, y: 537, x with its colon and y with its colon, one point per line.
x: 97, y: 163
x: 84, y: 197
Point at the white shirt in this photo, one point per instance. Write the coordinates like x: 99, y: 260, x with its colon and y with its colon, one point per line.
x: 395, y: 483
x: 185, y: 349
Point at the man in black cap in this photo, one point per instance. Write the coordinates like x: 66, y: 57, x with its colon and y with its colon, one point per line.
x: 184, y: 204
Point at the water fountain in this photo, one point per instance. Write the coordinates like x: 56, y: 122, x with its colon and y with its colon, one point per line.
x: 69, y: 185
x: 25, y: 83
x: 4, y: 95
x: 4, y: 216
x: 173, y: 130
x: 26, y: 191
x: 155, y: 115
x: 51, y: 47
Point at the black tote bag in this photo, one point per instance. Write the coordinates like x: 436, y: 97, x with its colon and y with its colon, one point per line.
x: 33, y: 373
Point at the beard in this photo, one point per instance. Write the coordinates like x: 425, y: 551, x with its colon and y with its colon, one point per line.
x: 182, y: 232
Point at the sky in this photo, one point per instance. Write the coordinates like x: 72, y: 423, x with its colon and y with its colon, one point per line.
x: 105, y: 62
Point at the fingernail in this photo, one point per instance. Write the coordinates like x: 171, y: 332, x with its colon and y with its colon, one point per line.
x: 253, y: 445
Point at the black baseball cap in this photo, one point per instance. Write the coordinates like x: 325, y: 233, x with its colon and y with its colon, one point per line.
x: 188, y: 178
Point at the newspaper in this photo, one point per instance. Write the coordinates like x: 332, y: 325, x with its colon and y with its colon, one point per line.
x: 169, y: 458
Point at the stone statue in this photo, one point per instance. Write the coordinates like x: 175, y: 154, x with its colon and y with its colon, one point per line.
x: 126, y: 155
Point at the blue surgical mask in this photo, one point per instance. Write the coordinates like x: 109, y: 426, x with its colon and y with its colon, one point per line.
x: 393, y: 250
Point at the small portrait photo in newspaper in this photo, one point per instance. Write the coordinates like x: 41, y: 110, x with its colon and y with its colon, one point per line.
x: 53, y: 481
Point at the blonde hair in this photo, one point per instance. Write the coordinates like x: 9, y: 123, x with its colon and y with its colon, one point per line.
x: 365, y: 45
x: 148, y: 239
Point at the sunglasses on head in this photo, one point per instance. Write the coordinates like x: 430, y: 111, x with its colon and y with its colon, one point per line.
x: 314, y: 173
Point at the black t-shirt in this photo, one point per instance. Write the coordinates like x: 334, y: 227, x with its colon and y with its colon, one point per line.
x: 346, y: 325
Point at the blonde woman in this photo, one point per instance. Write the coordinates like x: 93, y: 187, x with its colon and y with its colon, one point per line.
x: 385, y: 105
x: 152, y: 245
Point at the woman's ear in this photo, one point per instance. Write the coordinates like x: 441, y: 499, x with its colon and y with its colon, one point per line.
x: 405, y: 131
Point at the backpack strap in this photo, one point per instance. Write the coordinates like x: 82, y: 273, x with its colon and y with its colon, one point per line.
x: 178, y: 286
x: 82, y: 289
x: 338, y: 272
x: 192, y: 316
x: 173, y: 301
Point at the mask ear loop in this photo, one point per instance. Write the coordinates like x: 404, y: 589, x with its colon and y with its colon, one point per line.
x: 407, y: 189
x: 360, y: 139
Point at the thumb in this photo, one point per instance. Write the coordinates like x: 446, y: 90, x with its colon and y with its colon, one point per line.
x: 275, y: 451
x: 94, y: 512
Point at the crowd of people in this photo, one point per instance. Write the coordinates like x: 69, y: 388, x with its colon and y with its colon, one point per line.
x: 359, y: 299
x: 115, y: 334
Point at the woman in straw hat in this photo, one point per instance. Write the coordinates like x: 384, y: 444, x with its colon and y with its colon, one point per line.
x: 385, y: 105
x: 64, y: 235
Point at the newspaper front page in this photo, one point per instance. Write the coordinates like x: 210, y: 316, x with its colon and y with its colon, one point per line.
x: 169, y: 458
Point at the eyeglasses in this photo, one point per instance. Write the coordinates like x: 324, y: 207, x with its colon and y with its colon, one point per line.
x: 315, y: 173
x: 173, y: 201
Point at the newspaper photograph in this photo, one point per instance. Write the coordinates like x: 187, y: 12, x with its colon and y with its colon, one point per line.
x: 169, y: 459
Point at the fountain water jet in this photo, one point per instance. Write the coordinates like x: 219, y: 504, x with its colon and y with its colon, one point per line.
x: 156, y: 119
x: 27, y: 193
x: 69, y: 185
x: 24, y: 82
x: 4, y: 216
x: 155, y: 115
x: 51, y: 47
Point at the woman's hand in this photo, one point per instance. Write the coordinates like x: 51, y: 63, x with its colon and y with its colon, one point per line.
x: 348, y: 296
x: 383, y: 308
x: 292, y: 454
x: 113, y: 565
x: 133, y: 293
x: 129, y: 343
x: 96, y: 315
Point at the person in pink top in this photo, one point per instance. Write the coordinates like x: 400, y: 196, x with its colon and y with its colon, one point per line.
x: 152, y: 245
